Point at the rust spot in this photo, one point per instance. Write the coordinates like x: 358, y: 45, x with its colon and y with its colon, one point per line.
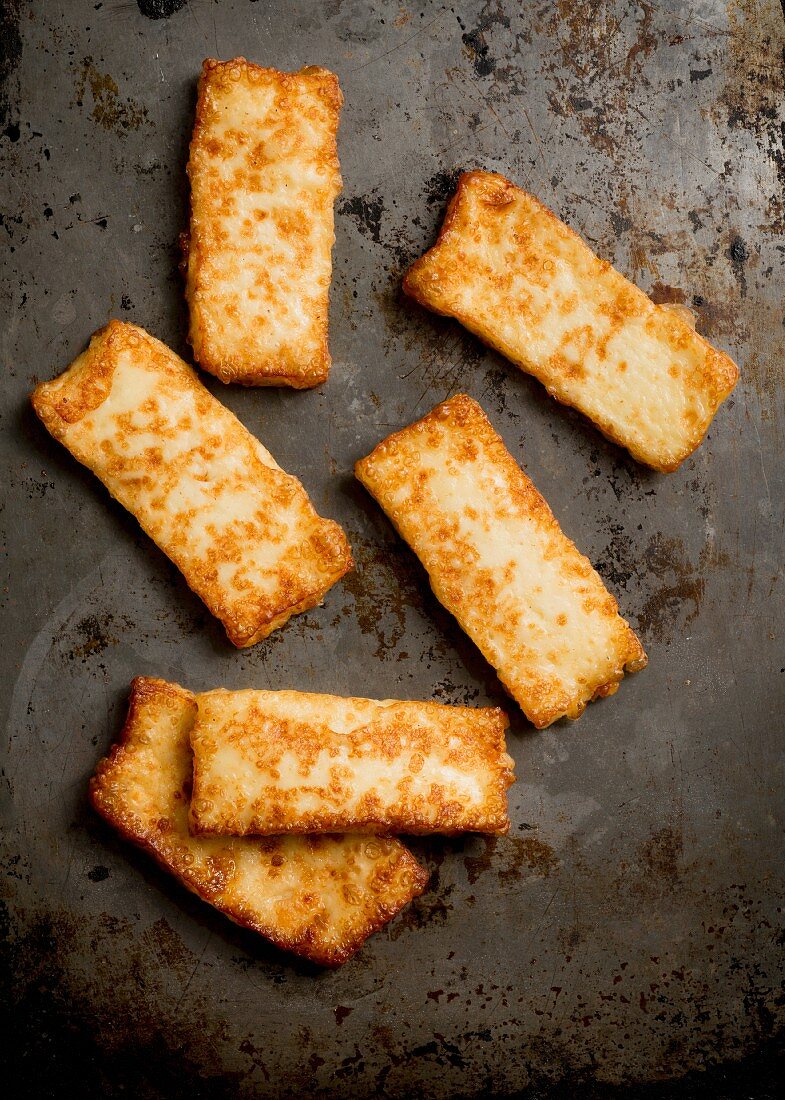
x: 94, y: 634
x: 341, y: 1012
x: 662, y: 853
x: 680, y: 595
x: 716, y: 318
x: 475, y: 865
x: 530, y: 853
x: 109, y: 110
x: 754, y: 90
x: 682, y: 588
x: 255, y: 1055
x: 645, y: 43
x: 641, y: 259
x: 168, y: 948
x: 512, y: 856
x: 582, y: 32
x: 662, y: 293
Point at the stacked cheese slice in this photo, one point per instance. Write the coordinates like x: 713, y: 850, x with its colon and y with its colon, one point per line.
x: 241, y: 794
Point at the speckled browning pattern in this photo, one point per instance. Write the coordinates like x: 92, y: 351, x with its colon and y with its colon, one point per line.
x: 512, y: 272
x: 264, y: 174
x: 320, y: 897
x: 292, y: 762
x: 243, y: 533
x: 498, y: 560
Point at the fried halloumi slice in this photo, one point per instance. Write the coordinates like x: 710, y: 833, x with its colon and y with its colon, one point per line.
x: 264, y: 175
x: 499, y: 562
x: 242, y: 532
x: 291, y: 762
x: 320, y: 897
x: 522, y: 281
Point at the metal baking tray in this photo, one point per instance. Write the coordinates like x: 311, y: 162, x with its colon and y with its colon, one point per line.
x: 630, y: 928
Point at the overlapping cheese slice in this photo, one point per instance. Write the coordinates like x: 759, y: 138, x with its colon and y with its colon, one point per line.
x: 292, y: 762
x: 319, y: 896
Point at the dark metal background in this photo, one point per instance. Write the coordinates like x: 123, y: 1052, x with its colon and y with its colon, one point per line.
x: 630, y: 928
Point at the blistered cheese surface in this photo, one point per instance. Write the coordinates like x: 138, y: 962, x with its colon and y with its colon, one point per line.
x: 279, y: 762
x: 498, y: 560
x: 518, y: 277
x: 264, y: 175
x: 320, y: 897
x: 243, y: 533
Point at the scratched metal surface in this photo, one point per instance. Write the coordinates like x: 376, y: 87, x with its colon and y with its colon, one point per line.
x: 629, y: 929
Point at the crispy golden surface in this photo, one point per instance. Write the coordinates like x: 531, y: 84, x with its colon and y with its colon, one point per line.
x: 270, y: 762
x: 498, y: 560
x: 243, y: 533
x: 320, y: 897
x: 522, y: 281
x: 264, y: 174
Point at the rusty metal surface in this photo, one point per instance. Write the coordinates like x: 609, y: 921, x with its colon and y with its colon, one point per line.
x: 630, y: 929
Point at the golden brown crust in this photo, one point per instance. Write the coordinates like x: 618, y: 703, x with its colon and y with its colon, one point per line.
x: 509, y: 270
x: 241, y: 530
x: 264, y: 175
x: 274, y: 762
x: 498, y: 560
x: 319, y: 897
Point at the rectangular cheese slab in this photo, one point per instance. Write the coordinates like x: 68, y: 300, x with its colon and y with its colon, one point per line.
x: 522, y: 281
x: 320, y: 897
x: 499, y: 562
x: 264, y: 175
x: 290, y: 762
x: 242, y: 532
